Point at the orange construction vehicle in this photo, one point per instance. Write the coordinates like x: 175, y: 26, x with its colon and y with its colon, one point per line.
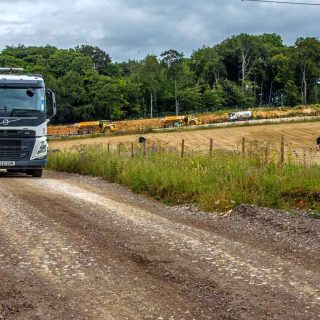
x: 179, y: 121
x: 100, y: 126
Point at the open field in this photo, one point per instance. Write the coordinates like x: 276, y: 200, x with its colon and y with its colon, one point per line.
x: 298, y: 136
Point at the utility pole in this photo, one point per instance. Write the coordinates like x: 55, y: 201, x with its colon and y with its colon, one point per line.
x: 151, y: 105
x: 176, y: 97
x: 284, y: 2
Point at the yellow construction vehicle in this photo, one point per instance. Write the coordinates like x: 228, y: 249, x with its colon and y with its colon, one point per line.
x: 179, y: 121
x: 100, y: 126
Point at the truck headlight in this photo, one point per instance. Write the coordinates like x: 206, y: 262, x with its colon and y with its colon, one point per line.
x: 43, y: 148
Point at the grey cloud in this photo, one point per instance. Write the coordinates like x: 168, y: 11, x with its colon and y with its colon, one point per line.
x: 132, y: 28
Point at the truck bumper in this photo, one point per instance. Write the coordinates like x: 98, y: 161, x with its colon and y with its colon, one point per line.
x: 25, y: 165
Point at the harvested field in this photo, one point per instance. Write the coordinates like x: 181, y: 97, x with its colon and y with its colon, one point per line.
x: 298, y: 136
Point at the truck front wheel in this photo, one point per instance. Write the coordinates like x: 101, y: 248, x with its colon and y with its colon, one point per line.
x: 36, y: 173
x: 106, y: 130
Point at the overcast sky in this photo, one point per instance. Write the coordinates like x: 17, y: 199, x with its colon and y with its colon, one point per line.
x: 130, y: 29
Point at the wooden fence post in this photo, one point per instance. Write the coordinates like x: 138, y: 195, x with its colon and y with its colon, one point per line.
x: 108, y: 147
x: 304, y: 157
x: 266, y: 154
x: 282, y: 151
x: 182, y: 148
x: 132, y: 150
x: 211, y: 147
x: 145, y: 148
x: 243, y: 146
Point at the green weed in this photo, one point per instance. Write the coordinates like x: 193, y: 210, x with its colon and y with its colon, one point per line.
x: 220, y: 182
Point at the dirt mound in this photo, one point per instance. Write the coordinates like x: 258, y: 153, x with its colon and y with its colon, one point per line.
x: 155, y: 123
x: 292, y: 224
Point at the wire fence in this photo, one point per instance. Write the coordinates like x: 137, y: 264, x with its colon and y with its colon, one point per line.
x: 281, y: 152
x: 278, y: 153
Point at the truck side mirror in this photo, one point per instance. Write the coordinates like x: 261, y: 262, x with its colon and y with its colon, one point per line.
x: 51, y: 101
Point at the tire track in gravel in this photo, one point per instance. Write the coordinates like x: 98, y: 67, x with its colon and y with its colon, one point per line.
x: 117, y: 260
x: 120, y: 284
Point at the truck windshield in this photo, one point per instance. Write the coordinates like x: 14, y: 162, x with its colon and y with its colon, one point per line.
x: 21, y: 101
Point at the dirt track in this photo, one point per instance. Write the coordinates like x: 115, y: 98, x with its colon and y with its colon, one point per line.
x: 79, y: 248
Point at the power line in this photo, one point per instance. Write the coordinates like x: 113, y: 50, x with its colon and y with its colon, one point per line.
x: 286, y: 2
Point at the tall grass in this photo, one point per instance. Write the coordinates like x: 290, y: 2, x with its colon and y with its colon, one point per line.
x: 220, y: 182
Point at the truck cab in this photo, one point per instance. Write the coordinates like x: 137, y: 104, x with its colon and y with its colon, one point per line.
x: 233, y: 116
x: 26, y: 107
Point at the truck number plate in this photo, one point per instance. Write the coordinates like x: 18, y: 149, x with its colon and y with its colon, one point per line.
x: 7, y: 163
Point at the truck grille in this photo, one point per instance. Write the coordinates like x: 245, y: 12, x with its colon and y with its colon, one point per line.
x: 4, y: 144
x: 10, y: 155
x: 17, y: 134
x: 13, y: 150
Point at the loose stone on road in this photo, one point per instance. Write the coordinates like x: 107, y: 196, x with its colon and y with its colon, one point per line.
x: 79, y: 248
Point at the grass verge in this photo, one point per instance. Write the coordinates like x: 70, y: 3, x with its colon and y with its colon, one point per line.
x: 220, y: 182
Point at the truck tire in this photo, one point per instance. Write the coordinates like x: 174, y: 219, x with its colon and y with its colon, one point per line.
x: 192, y: 123
x: 36, y: 173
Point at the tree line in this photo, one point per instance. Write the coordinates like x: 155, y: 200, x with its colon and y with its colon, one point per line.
x: 243, y: 71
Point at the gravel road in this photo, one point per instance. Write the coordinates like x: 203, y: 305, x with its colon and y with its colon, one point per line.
x: 80, y: 248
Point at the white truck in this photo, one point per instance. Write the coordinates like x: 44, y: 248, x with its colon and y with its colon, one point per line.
x: 26, y: 107
x: 240, y: 115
